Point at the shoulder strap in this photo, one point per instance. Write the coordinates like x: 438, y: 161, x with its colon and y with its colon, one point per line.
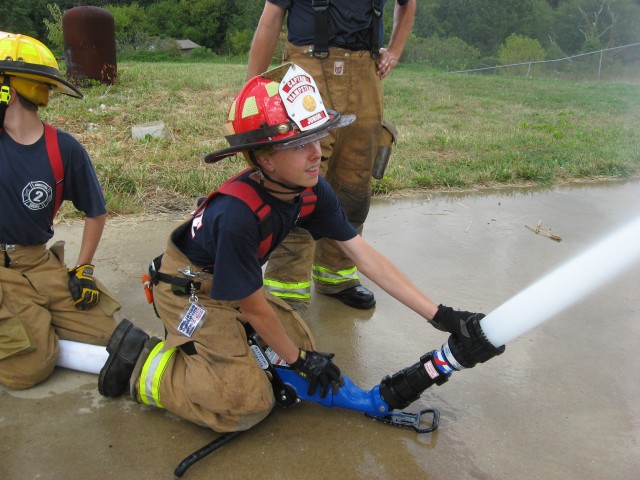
x: 376, y: 24
x: 217, y: 190
x: 308, y: 198
x: 55, y: 159
x: 245, y: 192
x: 321, y: 28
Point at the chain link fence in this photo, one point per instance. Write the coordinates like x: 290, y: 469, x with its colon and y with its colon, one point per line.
x: 617, y: 64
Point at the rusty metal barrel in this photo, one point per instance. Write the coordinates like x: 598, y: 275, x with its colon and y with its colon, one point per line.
x: 89, y: 44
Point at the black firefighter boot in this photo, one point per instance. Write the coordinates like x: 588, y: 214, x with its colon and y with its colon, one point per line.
x: 124, y: 348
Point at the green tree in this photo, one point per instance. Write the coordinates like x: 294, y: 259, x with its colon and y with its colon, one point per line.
x: 165, y: 18
x: 206, y: 21
x: 27, y: 16
x: 54, y: 28
x: 23, y: 16
x: 485, y: 24
x: 519, y: 49
x: 580, y: 25
x: 129, y: 20
x: 243, y: 20
x: 426, y: 23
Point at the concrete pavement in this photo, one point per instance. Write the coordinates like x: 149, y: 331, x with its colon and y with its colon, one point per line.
x: 560, y: 403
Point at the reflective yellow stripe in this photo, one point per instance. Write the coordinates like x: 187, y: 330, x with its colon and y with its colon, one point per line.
x: 300, y: 290
x: 326, y: 275
x: 152, y: 371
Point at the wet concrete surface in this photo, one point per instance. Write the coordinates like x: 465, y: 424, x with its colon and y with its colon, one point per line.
x: 560, y: 403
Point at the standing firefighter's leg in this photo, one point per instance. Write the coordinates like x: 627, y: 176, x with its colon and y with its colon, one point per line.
x: 288, y: 272
x: 353, y: 88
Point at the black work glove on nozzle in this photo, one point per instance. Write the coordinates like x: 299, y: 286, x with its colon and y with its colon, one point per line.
x: 318, y: 368
x: 83, y: 287
x: 453, y: 321
x: 467, y: 342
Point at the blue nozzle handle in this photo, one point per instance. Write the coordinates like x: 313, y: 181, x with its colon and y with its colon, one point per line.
x: 350, y: 396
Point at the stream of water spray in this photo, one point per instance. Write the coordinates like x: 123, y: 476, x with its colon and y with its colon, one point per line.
x: 564, y: 286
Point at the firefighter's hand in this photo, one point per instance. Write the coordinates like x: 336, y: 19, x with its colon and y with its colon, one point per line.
x: 318, y: 368
x: 453, y: 321
x: 83, y: 287
x: 471, y: 346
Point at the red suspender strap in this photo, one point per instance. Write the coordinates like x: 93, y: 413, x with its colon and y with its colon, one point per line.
x: 249, y: 196
x: 216, y: 191
x: 308, y: 198
x: 245, y: 192
x: 55, y: 159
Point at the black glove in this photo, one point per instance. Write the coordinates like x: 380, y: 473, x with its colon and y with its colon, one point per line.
x: 317, y: 367
x: 453, y: 321
x: 470, y: 346
x: 83, y: 287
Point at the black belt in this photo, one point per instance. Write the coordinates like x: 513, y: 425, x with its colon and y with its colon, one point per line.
x: 183, y: 286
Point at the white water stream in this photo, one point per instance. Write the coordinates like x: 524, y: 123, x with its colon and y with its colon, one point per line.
x: 564, y: 286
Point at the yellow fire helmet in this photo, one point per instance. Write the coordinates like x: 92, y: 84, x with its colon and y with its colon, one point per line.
x: 29, y: 66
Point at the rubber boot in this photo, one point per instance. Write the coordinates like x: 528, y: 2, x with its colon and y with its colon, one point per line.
x: 124, y: 348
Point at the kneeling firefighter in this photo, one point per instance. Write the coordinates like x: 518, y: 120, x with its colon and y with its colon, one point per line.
x: 49, y: 314
x: 207, y: 285
x: 208, y: 282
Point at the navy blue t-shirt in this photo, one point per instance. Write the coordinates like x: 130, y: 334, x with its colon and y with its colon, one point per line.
x: 27, y: 193
x: 227, y: 235
x: 349, y: 22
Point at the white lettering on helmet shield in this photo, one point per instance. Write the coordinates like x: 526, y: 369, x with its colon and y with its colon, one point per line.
x: 37, y: 195
x: 301, y: 99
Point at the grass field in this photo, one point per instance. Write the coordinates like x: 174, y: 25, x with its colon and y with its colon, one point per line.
x: 455, y: 131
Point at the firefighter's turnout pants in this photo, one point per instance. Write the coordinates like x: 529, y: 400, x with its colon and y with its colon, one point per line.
x: 36, y: 309
x: 348, y: 83
x: 212, y: 377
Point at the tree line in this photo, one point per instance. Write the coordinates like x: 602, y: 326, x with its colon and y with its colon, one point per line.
x: 476, y: 28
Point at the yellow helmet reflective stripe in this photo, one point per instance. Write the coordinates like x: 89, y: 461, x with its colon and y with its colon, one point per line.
x: 32, y: 67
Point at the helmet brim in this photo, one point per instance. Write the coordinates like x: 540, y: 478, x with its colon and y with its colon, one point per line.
x: 336, y: 121
x: 39, y: 73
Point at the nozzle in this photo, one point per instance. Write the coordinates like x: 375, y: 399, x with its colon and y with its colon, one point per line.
x: 405, y: 387
x: 459, y: 352
x: 472, y: 346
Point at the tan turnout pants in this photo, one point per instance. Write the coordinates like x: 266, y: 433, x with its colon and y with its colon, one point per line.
x: 348, y: 83
x: 36, y: 309
x: 220, y: 385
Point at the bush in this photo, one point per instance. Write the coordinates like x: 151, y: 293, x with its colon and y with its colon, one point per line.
x: 143, y: 48
x: 520, y: 49
x: 239, y: 41
x: 486, y: 62
x: 444, y: 53
x: 202, y: 53
x: 554, y: 52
